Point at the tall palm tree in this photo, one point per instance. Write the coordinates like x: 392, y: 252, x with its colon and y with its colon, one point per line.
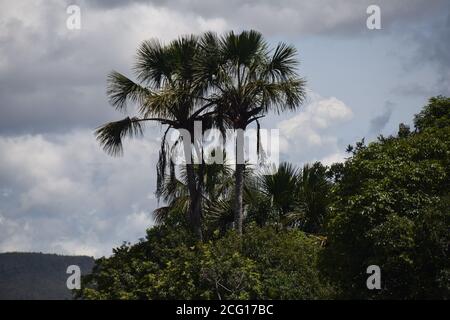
x: 246, y: 80
x: 165, y: 92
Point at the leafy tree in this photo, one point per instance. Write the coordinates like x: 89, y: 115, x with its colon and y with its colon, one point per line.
x: 170, y: 264
x: 435, y: 115
x: 287, y: 262
x: 392, y: 210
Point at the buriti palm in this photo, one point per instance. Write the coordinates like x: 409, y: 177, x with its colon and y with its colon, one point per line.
x: 225, y: 81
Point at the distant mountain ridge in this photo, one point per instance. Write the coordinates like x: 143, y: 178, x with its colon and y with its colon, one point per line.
x: 35, y: 276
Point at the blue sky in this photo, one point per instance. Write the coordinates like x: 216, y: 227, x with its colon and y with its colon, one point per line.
x: 60, y: 193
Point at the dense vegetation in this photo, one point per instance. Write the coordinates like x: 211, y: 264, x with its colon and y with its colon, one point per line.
x: 230, y: 232
x: 171, y: 264
x: 37, y: 275
x: 308, y: 234
x: 392, y: 208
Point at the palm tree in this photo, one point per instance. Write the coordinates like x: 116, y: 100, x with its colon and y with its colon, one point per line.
x: 292, y: 197
x: 246, y: 80
x: 175, y: 194
x: 217, y: 184
x: 313, y: 199
x: 165, y: 93
x: 281, y: 188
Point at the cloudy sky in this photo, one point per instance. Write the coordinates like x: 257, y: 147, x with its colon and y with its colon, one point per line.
x: 60, y: 193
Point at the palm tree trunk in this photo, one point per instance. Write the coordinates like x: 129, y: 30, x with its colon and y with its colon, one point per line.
x: 239, y: 186
x: 195, y: 208
x: 238, y: 203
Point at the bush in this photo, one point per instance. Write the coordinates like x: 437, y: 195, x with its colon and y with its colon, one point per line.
x: 263, y: 264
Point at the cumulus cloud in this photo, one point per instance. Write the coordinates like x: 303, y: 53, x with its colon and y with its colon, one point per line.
x: 63, y: 194
x: 307, y: 137
x: 53, y: 78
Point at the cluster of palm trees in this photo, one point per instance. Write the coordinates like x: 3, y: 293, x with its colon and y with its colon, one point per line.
x: 225, y: 81
x: 288, y: 198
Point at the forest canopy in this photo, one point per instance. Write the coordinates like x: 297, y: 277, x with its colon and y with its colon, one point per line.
x: 308, y: 233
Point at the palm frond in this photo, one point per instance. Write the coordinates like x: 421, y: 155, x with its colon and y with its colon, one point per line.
x: 281, y: 187
x: 162, y: 103
x: 160, y: 214
x: 281, y: 96
x: 219, y: 213
x: 161, y: 164
x: 111, y: 134
x: 176, y: 210
x: 172, y: 189
x: 207, y: 62
x: 122, y: 90
x: 282, y: 64
x: 183, y: 51
x: 154, y: 63
x: 243, y: 48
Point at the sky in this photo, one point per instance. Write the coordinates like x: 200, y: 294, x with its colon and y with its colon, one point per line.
x: 60, y: 193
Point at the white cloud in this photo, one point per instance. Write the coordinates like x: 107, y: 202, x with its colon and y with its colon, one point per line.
x: 306, y: 136
x: 53, y: 78
x: 78, y: 247
x: 66, y: 195
x: 334, y: 158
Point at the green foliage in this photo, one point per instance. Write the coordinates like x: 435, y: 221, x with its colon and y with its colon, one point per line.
x: 291, y: 198
x: 392, y: 210
x: 288, y: 198
x: 387, y: 205
x: 227, y: 272
x: 170, y: 264
x: 287, y: 262
x: 435, y: 115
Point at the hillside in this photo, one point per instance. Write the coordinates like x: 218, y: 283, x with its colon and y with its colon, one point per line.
x: 37, y: 275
